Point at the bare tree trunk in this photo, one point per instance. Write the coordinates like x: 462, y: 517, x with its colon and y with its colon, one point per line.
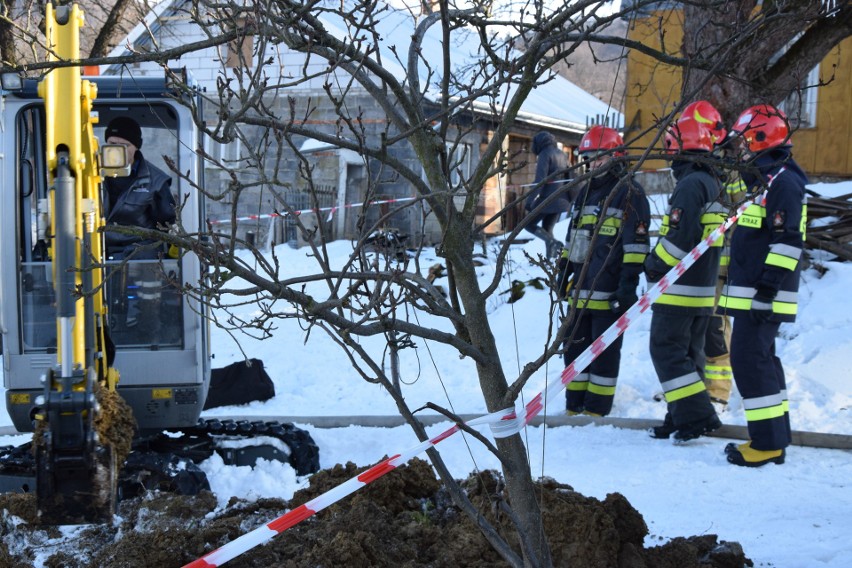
x: 111, y: 32
x: 764, y: 63
x: 8, y: 55
x: 492, y: 380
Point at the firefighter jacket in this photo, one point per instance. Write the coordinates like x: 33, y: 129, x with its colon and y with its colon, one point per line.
x: 767, y: 245
x: 143, y: 199
x: 609, y: 230
x: 551, y: 161
x: 695, y: 210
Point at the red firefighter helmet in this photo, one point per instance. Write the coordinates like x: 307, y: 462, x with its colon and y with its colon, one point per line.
x: 687, y: 134
x: 706, y: 113
x: 601, y: 138
x: 762, y: 127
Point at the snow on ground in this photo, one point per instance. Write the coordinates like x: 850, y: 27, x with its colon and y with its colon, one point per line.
x: 795, y: 515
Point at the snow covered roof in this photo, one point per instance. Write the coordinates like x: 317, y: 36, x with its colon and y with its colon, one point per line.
x: 557, y: 103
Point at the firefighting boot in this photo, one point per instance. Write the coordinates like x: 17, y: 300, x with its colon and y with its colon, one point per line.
x: 747, y: 456
x: 666, y: 429
x: 698, y: 428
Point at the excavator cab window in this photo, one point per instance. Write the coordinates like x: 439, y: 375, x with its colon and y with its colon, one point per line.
x: 144, y: 304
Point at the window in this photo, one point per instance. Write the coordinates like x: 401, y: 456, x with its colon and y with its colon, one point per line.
x: 801, y: 106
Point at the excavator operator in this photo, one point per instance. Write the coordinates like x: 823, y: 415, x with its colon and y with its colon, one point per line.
x: 142, y: 199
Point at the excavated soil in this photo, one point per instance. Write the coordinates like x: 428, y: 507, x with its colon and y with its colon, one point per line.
x: 404, y: 519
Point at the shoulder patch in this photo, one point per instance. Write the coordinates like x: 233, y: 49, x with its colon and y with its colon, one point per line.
x: 675, y: 215
x: 778, y: 219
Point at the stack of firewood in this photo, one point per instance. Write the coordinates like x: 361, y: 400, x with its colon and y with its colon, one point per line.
x: 830, y: 224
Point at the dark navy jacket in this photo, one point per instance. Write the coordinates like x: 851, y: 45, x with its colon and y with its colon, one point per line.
x: 695, y: 210
x: 143, y: 199
x: 551, y: 160
x: 767, y: 246
x: 621, y: 244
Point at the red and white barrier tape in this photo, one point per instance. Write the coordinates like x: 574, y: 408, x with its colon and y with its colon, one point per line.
x: 331, y: 210
x: 503, y: 423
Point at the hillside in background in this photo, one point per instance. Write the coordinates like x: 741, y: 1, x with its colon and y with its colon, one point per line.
x: 600, y: 69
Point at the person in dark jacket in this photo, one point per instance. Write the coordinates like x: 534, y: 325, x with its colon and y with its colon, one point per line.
x: 551, y: 165
x: 681, y: 314
x: 609, y: 237
x: 763, y: 282
x: 142, y: 199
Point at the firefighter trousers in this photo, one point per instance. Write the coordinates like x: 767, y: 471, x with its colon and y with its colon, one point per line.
x: 718, y: 376
x: 593, y: 390
x: 760, y: 379
x: 677, y: 351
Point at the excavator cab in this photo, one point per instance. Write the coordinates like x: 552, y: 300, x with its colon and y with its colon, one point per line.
x: 160, y: 335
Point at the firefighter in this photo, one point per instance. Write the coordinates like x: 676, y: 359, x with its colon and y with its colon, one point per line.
x: 763, y: 282
x: 718, y: 375
x: 681, y: 314
x: 606, y: 246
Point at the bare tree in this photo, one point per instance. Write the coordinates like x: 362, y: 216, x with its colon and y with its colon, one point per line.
x: 406, y: 109
x: 777, y: 44
x: 22, y: 37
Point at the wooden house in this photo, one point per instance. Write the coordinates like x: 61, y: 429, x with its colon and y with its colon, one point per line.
x: 557, y: 106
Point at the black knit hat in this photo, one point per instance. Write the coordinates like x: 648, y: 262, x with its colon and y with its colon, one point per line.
x: 125, y: 127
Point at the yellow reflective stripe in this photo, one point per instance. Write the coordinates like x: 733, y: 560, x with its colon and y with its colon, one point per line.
x: 578, y: 386
x: 753, y: 216
x: 592, y: 304
x: 755, y: 210
x: 664, y: 226
x: 717, y: 377
x: 775, y: 259
x: 735, y: 303
x: 612, y: 222
x: 709, y: 229
x: 803, y: 224
x: 738, y: 186
x: 588, y: 220
x: 758, y: 414
x: 601, y: 390
x: 785, y: 308
x: 634, y: 257
x: 713, y: 218
x: 608, y: 231
x: 686, y: 301
x: 683, y: 392
x: 664, y: 255
x: 725, y: 260
x: 718, y: 372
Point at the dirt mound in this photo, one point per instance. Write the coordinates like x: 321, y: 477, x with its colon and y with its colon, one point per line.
x: 405, y: 519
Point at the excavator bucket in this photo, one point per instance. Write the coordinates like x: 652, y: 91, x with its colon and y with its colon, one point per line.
x: 75, y: 488
x: 76, y: 475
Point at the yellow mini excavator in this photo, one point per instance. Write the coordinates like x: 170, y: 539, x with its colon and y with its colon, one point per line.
x: 64, y: 302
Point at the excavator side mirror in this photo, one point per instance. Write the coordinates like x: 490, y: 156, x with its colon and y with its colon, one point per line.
x: 114, y: 161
